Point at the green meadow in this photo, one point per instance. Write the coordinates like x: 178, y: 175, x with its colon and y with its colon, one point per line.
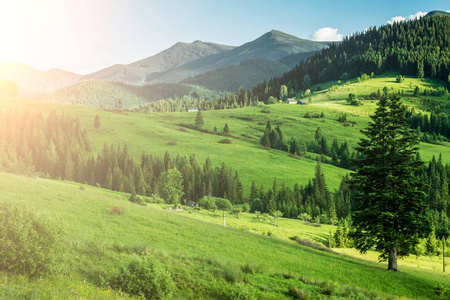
x: 225, y: 261
x: 249, y: 259
x: 156, y: 133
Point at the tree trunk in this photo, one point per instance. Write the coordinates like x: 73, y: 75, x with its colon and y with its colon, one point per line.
x: 392, y: 260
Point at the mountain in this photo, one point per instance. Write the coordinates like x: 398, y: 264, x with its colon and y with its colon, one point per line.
x: 248, y: 73
x: 185, y: 60
x: 270, y: 46
x: 246, y: 65
x: 438, y: 13
x: 32, y: 82
x: 152, y: 67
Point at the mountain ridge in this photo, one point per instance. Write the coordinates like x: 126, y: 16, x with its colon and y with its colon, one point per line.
x: 173, y: 65
x: 32, y: 82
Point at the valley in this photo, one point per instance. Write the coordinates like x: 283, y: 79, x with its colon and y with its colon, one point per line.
x: 283, y: 168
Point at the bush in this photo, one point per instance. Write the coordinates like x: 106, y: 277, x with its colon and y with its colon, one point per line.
x: 245, y: 207
x: 144, y: 276
x: 225, y: 141
x: 299, y: 293
x: 207, y: 202
x: 253, y: 268
x: 136, y: 199
x: 27, y: 242
x: 172, y: 143
x: 223, y: 204
x: 232, y: 273
x: 116, y: 210
x: 265, y: 110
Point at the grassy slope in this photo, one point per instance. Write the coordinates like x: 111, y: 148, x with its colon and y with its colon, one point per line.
x: 95, y: 241
x: 151, y: 133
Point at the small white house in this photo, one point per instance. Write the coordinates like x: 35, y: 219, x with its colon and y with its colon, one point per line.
x: 192, y: 109
x: 291, y: 101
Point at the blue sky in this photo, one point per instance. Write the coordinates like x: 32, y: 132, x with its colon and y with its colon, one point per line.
x: 85, y: 35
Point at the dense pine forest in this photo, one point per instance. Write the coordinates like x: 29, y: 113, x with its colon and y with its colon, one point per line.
x: 420, y: 48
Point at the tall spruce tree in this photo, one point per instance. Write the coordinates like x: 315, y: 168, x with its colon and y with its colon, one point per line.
x: 389, y: 211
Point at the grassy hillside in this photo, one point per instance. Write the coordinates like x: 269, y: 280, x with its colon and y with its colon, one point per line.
x: 152, y: 133
x: 106, y: 95
x: 97, y: 242
x: 95, y: 94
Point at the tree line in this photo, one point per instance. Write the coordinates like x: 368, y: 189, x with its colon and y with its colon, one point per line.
x: 56, y: 147
x: 312, y: 202
x: 338, y: 154
x: 419, y: 48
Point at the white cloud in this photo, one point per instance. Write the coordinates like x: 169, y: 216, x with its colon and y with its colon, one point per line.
x: 327, y: 34
x: 396, y: 19
x: 408, y: 18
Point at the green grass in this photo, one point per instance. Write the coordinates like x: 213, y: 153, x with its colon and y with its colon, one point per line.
x: 96, y: 243
x: 153, y: 133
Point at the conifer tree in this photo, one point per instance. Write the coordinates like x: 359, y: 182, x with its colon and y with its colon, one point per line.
x: 199, y: 119
x: 389, y: 211
x: 226, y: 130
x: 97, y: 122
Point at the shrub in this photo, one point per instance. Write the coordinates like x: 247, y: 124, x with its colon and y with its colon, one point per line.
x: 116, y: 210
x: 265, y: 110
x: 155, y: 198
x: 207, y: 202
x: 223, y: 204
x: 232, y: 273
x: 144, y: 276
x: 225, y: 141
x: 299, y: 294
x: 172, y: 143
x: 27, y: 242
x: 328, y: 288
x: 245, y: 207
x: 253, y: 268
x: 136, y: 199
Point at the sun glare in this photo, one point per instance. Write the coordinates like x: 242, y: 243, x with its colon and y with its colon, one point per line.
x: 24, y: 28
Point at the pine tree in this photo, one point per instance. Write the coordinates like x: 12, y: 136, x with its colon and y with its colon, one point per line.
x: 199, y: 119
x: 97, y: 122
x: 226, y: 130
x: 385, y: 187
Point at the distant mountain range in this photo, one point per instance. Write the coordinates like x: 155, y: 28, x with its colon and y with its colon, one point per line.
x: 251, y: 62
x: 154, y: 68
x: 32, y: 82
x: 186, y: 60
